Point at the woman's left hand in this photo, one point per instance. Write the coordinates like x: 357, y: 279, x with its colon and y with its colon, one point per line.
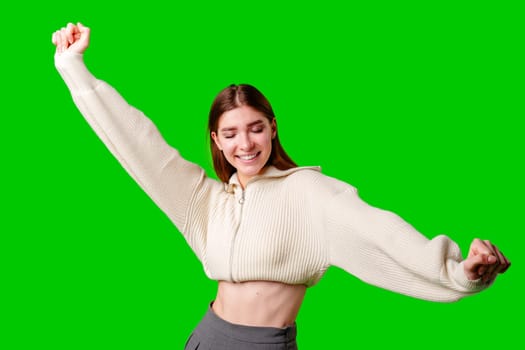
x: 485, y: 260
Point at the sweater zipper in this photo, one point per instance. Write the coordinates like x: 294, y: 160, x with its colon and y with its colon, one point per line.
x: 241, y: 202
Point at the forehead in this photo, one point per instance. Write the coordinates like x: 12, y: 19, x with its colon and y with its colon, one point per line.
x: 240, y: 117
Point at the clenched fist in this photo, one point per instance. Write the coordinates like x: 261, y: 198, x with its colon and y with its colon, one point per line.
x: 73, y: 38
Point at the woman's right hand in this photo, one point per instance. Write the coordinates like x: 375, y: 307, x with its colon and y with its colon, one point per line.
x: 73, y: 38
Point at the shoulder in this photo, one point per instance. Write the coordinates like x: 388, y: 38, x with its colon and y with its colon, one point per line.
x: 312, y: 180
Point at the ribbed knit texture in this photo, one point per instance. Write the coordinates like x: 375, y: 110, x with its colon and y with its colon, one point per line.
x: 287, y: 226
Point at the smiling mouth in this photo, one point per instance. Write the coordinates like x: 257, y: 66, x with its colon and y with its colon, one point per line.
x: 248, y: 157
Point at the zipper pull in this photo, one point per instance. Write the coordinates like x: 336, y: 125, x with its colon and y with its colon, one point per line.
x: 241, y: 200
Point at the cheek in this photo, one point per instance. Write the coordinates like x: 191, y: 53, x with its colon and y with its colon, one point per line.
x: 227, y: 147
x: 266, y: 141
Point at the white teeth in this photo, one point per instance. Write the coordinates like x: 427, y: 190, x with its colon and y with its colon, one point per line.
x: 248, y: 156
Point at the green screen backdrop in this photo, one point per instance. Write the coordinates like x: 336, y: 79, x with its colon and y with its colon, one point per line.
x: 418, y: 105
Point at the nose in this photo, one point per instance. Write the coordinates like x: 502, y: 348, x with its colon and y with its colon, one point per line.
x: 246, y: 142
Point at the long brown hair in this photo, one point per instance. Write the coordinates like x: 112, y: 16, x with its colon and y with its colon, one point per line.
x: 232, y: 97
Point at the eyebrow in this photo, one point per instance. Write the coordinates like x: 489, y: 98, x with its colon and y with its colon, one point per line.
x: 257, y: 122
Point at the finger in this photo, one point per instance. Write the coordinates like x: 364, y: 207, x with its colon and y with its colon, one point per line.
x: 482, y: 270
x: 504, y: 262
x: 490, y: 274
x: 486, y: 266
x: 500, y: 266
x: 479, y: 247
x: 60, y: 45
x: 75, y: 33
x: 479, y: 265
x: 54, y: 40
x: 507, y: 265
x: 482, y: 248
x: 490, y: 246
x: 493, y: 259
x: 70, y: 29
x: 59, y: 41
x: 474, y: 266
x: 84, y: 31
x: 63, y: 36
x: 499, y: 255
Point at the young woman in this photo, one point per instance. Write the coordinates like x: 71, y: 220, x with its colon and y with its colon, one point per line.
x: 268, y: 229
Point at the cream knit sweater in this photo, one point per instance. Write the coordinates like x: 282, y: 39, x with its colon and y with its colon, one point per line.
x: 287, y: 226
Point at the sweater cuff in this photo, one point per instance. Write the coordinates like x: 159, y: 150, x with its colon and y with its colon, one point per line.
x: 73, y: 70
x: 470, y: 285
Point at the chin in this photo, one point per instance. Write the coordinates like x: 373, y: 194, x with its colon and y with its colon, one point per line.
x: 251, y: 172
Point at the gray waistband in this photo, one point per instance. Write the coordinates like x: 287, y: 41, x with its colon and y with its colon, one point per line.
x: 265, y: 335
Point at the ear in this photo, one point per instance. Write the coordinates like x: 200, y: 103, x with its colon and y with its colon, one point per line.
x: 216, y: 140
x: 273, y: 125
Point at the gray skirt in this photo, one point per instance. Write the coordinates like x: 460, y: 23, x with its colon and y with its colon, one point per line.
x: 214, y: 333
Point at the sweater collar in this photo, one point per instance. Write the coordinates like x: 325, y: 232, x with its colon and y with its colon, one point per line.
x: 268, y: 173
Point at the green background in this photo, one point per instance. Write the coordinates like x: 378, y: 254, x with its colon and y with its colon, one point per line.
x: 417, y: 105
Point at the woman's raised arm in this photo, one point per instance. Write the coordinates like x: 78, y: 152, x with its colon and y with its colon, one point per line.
x: 173, y: 183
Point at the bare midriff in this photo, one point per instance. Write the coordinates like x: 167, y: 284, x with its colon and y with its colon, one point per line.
x: 259, y: 303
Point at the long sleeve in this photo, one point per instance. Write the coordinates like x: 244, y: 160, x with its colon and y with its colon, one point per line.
x: 173, y: 183
x: 381, y: 249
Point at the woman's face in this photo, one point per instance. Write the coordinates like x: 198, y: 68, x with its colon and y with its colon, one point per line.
x: 244, y: 135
